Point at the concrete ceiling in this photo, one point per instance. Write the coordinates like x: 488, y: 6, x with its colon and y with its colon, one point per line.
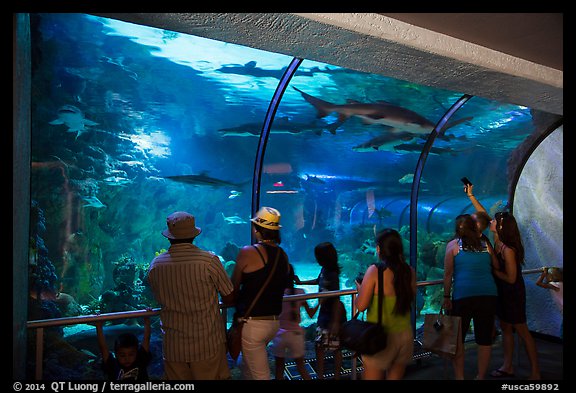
x: 513, y: 58
x: 536, y: 37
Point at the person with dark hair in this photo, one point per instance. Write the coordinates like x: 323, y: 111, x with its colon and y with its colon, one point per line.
x: 255, y: 264
x: 399, y: 294
x: 290, y: 339
x: 332, y: 312
x: 186, y: 282
x: 470, y: 291
x: 511, y: 309
x: 130, y: 360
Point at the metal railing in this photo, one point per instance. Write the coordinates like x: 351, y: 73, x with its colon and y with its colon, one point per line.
x: 39, y: 325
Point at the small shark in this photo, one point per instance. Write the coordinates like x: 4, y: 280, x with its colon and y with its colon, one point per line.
x: 314, y: 179
x: 94, y: 202
x: 417, y: 148
x: 117, y: 181
x: 381, y: 112
x: 234, y: 194
x: 409, y: 179
x: 73, y: 118
x: 280, y: 126
x: 385, y: 141
x: 234, y: 220
x: 204, y: 180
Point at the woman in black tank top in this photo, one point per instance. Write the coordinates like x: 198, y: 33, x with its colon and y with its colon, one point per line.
x: 270, y: 301
x: 261, y: 273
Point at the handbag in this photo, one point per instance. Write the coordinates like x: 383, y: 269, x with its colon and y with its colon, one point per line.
x: 442, y: 334
x: 234, y: 333
x: 365, y: 337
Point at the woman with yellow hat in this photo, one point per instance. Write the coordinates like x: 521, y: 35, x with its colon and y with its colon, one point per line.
x: 260, y: 265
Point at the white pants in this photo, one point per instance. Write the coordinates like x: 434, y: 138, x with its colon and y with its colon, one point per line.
x: 256, y: 334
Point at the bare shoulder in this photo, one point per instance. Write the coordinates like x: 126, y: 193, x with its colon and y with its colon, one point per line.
x: 248, y: 248
x: 371, y: 271
x: 508, y: 252
x: 244, y: 254
x: 452, y: 244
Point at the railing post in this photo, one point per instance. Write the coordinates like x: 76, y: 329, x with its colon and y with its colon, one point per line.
x: 40, y: 325
x: 354, y: 358
x: 39, y: 353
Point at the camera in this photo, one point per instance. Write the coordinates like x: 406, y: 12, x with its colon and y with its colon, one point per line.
x: 438, y: 325
x: 466, y: 181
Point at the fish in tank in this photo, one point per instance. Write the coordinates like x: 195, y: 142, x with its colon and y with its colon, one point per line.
x: 131, y: 123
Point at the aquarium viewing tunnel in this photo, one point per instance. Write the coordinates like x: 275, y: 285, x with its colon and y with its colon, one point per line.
x: 125, y: 123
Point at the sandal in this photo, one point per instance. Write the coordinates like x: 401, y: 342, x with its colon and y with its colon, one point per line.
x: 497, y: 373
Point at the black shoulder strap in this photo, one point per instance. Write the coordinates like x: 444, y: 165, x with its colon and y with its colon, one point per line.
x: 259, y: 253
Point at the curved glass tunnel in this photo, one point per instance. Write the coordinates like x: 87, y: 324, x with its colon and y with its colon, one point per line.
x: 131, y: 123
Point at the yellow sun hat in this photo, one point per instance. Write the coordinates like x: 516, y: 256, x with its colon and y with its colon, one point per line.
x: 267, y: 217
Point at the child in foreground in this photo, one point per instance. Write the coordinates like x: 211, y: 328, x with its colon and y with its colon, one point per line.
x: 130, y: 360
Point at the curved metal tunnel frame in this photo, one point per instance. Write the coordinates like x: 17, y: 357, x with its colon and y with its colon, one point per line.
x: 268, y: 120
x: 263, y: 141
x: 438, y: 130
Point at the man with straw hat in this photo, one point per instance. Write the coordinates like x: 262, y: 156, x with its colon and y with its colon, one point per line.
x: 261, y: 265
x: 186, y: 282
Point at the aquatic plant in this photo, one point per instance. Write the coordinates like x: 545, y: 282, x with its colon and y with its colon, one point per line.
x: 42, y: 273
x: 161, y: 251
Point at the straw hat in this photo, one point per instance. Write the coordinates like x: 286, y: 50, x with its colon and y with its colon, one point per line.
x: 181, y: 225
x: 267, y: 217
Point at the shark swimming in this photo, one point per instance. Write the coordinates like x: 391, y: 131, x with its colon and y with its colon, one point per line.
x: 417, y: 148
x: 204, y: 180
x: 381, y: 112
x: 409, y: 178
x: 385, y: 141
x: 234, y: 220
x: 72, y: 117
x: 251, y: 69
x: 280, y: 126
x: 92, y: 201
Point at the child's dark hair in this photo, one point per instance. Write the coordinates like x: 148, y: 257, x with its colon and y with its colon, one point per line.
x: 294, y: 310
x: 126, y: 340
x: 327, y: 256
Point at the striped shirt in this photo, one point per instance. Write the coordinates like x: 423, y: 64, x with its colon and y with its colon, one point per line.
x: 186, y: 281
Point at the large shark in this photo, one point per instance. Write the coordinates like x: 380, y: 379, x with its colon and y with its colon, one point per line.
x: 204, y: 180
x: 72, y: 117
x: 381, y: 112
